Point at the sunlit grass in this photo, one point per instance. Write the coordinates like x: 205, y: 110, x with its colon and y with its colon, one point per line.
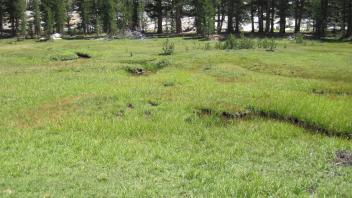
x: 86, y: 127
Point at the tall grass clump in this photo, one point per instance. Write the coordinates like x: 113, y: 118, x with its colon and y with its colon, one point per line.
x: 233, y: 43
x: 268, y: 44
x: 168, y: 48
x: 245, y: 43
x: 207, y: 46
x: 299, y: 38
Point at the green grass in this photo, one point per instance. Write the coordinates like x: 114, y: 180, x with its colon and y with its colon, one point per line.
x: 86, y: 127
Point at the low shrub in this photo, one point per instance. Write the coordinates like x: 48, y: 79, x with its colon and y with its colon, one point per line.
x: 299, y: 38
x: 233, y: 43
x: 64, y: 57
x: 134, y: 70
x: 229, y: 43
x: 168, y: 48
x: 245, y: 43
x: 268, y: 44
x: 157, y: 65
x: 144, y: 67
x: 207, y: 46
x: 272, y: 45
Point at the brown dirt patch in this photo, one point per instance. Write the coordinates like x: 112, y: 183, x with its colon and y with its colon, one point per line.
x: 51, y: 111
x: 343, y: 158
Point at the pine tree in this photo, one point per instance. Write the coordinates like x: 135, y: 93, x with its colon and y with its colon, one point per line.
x: 2, y: 14
x: 16, y: 10
x: 49, y: 22
x: 96, y: 11
x: 135, y: 15
x: 178, y: 15
x: 260, y: 7
x: 230, y: 12
x: 69, y: 9
x: 23, y: 18
x: 109, y: 17
x: 349, y: 19
x: 321, y: 16
x: 159, y: 9
x: 36, y: 16
x: 205, y: 14
x: 60, y: 15
x: 283, y: 8
x: 298, y: 12
x: 85, y: 11
x: 156, y: 10
x: 128, y: 14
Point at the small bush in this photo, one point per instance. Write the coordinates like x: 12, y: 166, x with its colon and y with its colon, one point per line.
x: 168, y: 48
x: 207, y: 46
x: 268, y: 44
x: 64, y: 57
x: 299, y: 38
x: 169, y: 83
x: 233, y: 43
x: 230, y: 43
x: 155, y: 66
x: 135, y: 70
x: 245, y: 43
x: 272, y: 45
x: 263, y: 43
x: 218, y: 45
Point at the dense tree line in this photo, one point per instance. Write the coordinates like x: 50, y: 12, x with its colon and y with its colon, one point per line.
x: 112, y: 16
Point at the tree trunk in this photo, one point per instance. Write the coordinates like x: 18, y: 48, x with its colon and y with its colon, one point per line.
x: 261, y: 16
x: 343, y: 22
x: 299, y: 4
x: 178, y: 17
x: 230, y: 12
x: 322, y: 19
x: 252, y: 17
x: 17, y: 22
x: 238, y: 16
x: 267, y: 17
x: 349, y: 20
x: 160, y: 16
x: 296, y: 15
x: 272, y: 20
x: 237, y: 23
x: 218, y: 21
x: 222, y: 16
x: 1, y: 19
x: 283, y: 14
x: 13, y: 26
x: 135, y: 15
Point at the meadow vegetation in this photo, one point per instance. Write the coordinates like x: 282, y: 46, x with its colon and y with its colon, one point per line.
x: 175, y: 118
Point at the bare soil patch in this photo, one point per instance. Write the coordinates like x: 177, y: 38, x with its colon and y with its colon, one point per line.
x: 343, y: 158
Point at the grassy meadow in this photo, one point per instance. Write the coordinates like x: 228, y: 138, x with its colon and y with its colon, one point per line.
x: 201, y: 122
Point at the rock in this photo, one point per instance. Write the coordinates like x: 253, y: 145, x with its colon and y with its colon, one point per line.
x: 56, y: 36
x: 43, y: 39
x: 134, y: 35
x: 216, y: 37
x: 291, y: 38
